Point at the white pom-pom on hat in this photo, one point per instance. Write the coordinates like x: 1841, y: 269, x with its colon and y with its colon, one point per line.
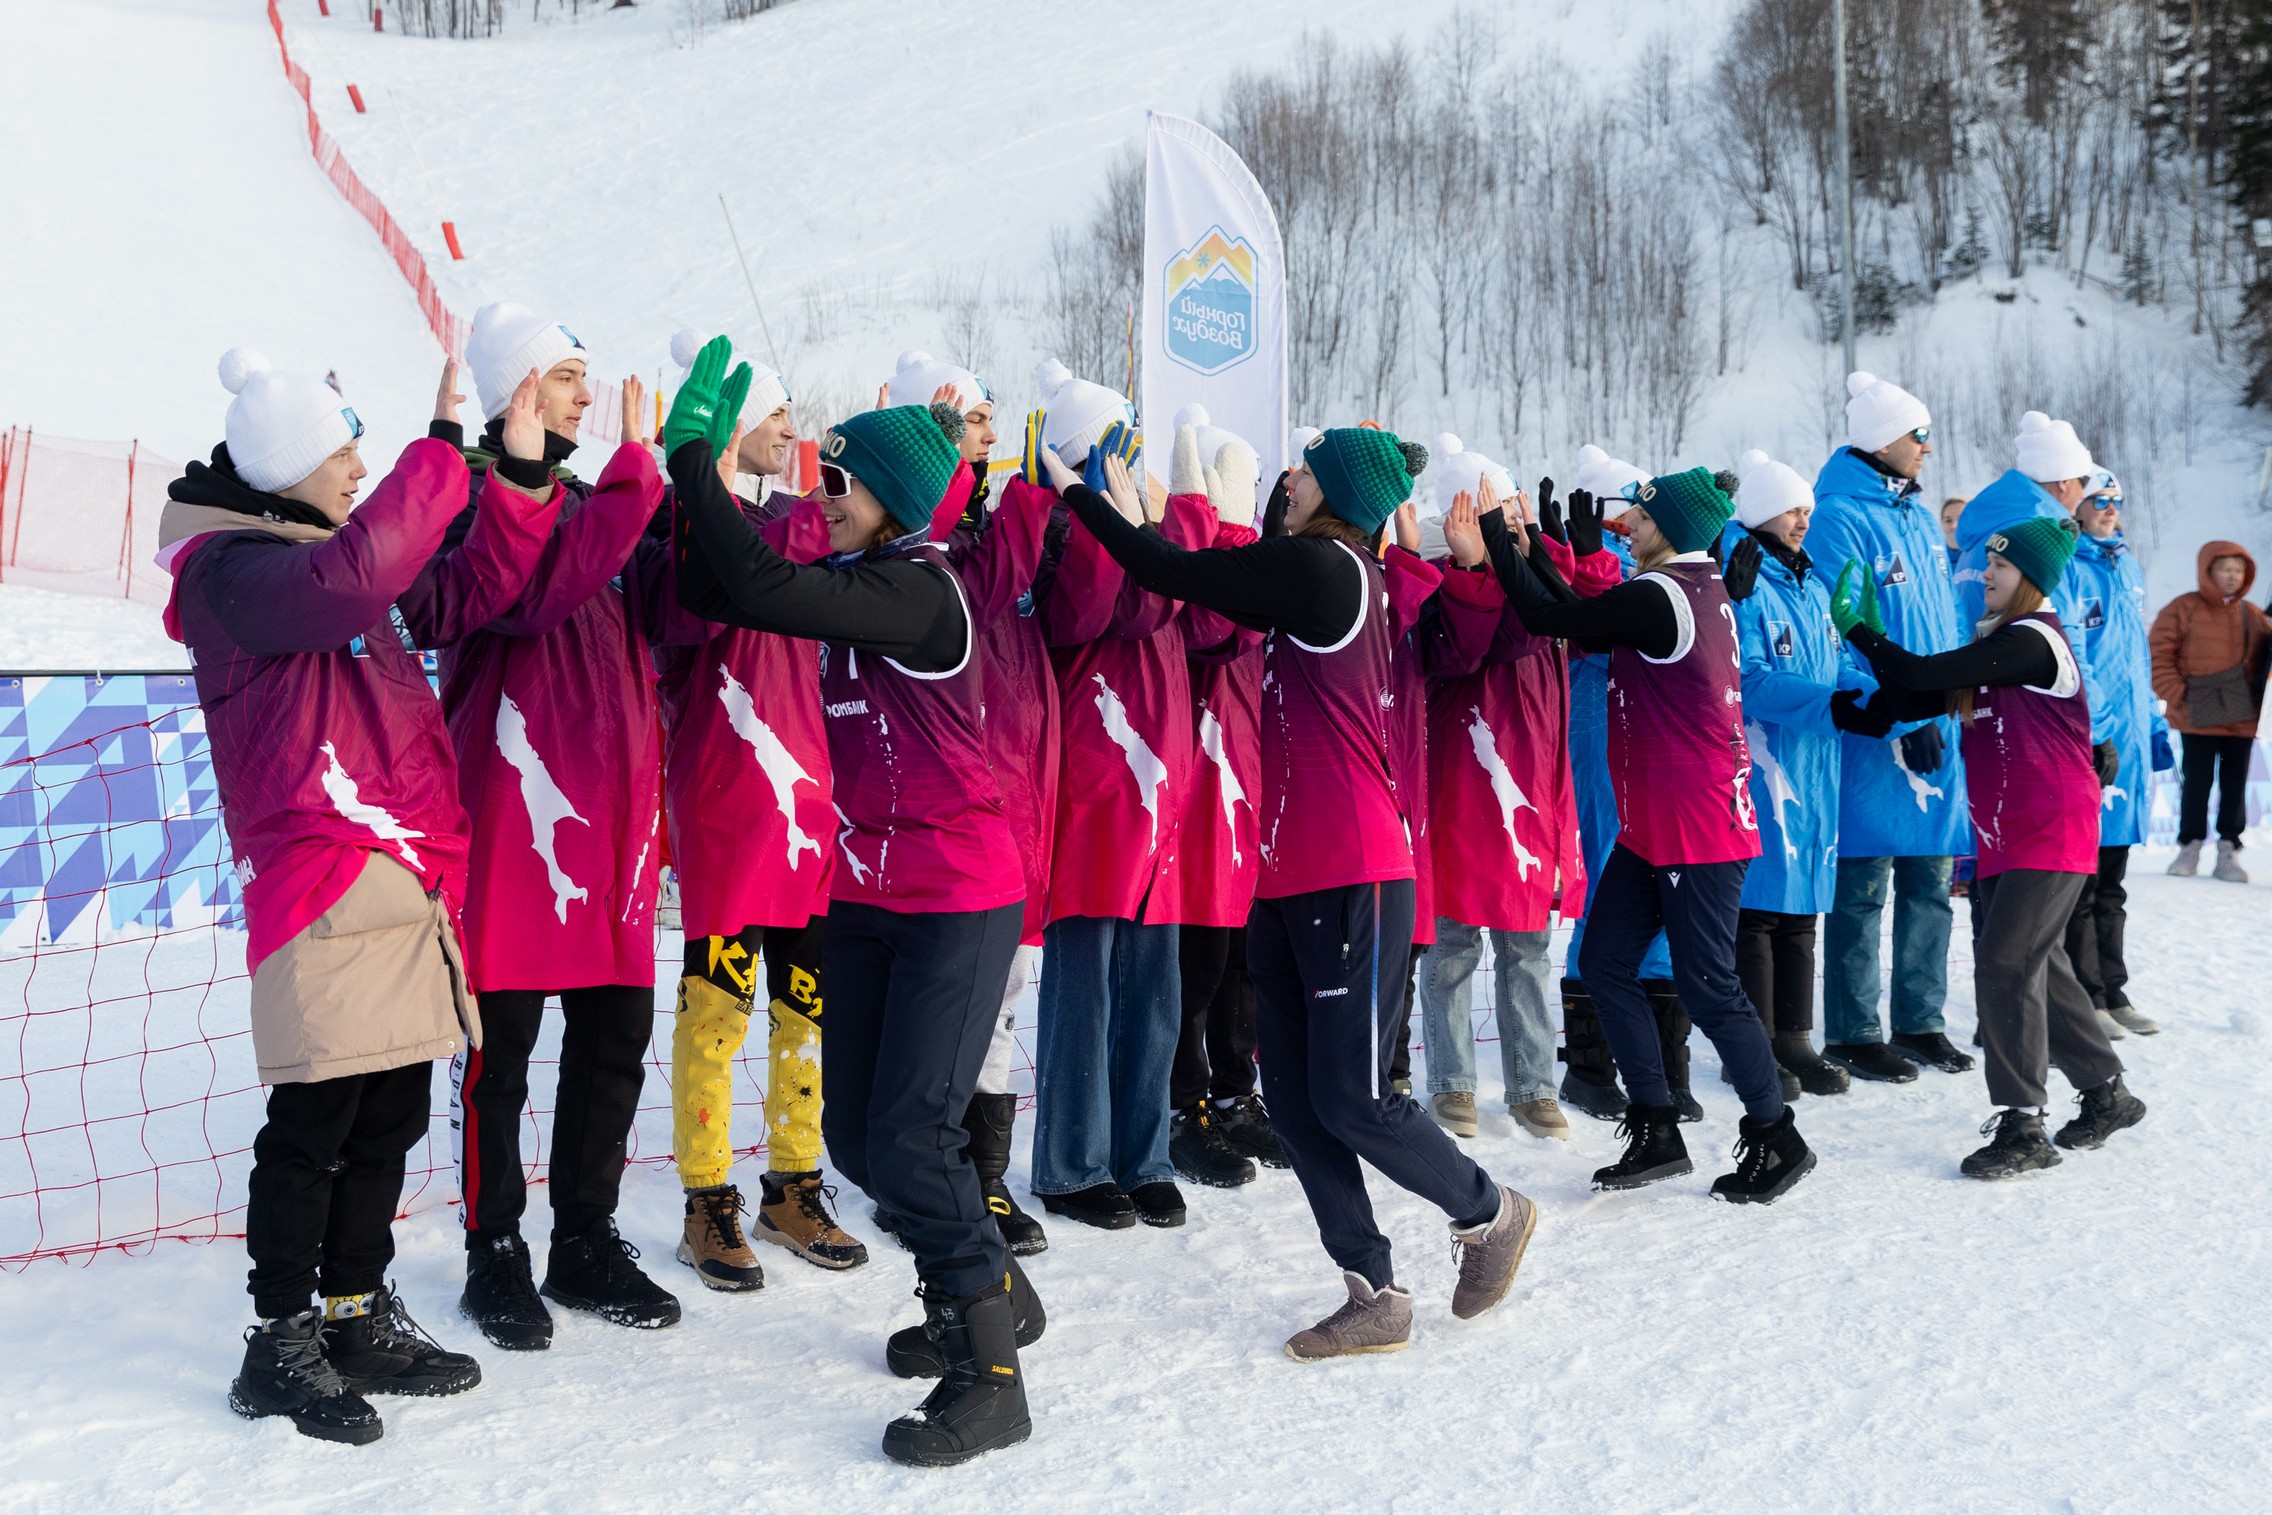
x: 2048, y: 451
x: 1605, y: 478
x: 239, y: 364
x: 687, y: 344
x: 507, y: 341
x: 281, y: 425
x: 1457, y: 471
x: 1857, y: 381
x: 1766, y: 489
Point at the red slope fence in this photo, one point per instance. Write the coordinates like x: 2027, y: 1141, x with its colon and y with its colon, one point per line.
x: 82, y: 516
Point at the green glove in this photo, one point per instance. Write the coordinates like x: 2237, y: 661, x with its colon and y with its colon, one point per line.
x: 1029, y: 467
x: 694, y: 411
x: 1854, y: 602
x: 730, y: 400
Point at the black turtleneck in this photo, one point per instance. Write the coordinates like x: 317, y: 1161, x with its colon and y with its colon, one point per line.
x: 219, y: 485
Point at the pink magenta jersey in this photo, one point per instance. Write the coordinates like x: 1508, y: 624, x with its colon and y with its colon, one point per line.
x: 1217, y: 857
x: 1677, y: 754
x: 2028, y: 772
x: 920, y: 826
x: 1333, y: 806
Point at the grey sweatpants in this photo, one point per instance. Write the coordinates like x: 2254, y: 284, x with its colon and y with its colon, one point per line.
x: 2034, y: 1013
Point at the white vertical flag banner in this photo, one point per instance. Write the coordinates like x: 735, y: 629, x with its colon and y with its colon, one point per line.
x: 1214, y: 294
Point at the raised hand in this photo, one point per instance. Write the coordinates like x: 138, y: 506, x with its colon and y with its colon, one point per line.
x: 523, y: 433
x: 1121, y: 488
x: 1408, y: 527
x: 1550, y: 513
x: 1742, y: 572
x: 1585, y: 523
x: 634, y: 410
x: 447, y: 399
x: 731, y: 398
x: 1185, y: 475
x: 1056, y: 473
x: 1463, y: 531
x: 1230, y: 483
x: 1030, y: 465
x: 695, y: 408
x: 729, y: 461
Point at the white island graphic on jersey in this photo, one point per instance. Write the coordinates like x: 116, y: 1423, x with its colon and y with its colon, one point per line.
x: 547, y: 806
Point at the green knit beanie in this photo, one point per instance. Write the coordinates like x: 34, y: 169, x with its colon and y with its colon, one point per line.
x: 2040, y: 547
x: 1691, y: 508
x: 905, y: 454
x: 1364, y: 474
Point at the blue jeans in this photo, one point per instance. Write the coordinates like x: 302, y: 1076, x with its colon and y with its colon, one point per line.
x: 1921, y: 916
x: 1111, y: 1007
x: 1520, y: 980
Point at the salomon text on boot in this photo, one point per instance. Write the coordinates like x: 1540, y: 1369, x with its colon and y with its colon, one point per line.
x: 911, y: 1353
x: 979, y: 1405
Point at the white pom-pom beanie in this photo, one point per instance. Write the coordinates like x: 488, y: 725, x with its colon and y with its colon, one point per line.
x: 507, y: 341
x: 1454, y: 471
x: 1605, y: 478
x: 2050, y: 451
x: 768, y: 391
x: 1079, y: 413
x: 1879, y: 411
x: 918, y: 376
x: 281, y: 425
x: 1766, y: 489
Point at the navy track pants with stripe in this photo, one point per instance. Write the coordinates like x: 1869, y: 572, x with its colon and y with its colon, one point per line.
x: 1328, y: 971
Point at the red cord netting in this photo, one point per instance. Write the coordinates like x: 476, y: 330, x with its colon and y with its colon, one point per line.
x: 128, y: 1100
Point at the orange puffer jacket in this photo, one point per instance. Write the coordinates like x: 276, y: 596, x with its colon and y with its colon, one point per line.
x: 2203, y: 633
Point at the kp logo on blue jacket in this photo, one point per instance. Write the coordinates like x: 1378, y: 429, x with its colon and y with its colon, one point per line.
x: 1210, y: 303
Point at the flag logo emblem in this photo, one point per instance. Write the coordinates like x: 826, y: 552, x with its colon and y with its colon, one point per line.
x: 1210, y: 303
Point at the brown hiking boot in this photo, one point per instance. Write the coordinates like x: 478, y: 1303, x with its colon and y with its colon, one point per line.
x: 713, y: 1245
x: 1542, y: 1118
x: 1374, y: 1320
x: 794, y: 1214
x: 1489, y: 1255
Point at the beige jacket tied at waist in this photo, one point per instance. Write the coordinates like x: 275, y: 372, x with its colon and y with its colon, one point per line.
x: 377, y: 981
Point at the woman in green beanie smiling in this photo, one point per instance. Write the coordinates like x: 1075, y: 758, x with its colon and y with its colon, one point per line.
x: 2034, y: 780
x: 928, y: 893
x: 1682, y: 773
x: 1328, y: 933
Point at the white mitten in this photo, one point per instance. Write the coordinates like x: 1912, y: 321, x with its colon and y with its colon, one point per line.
x: 1184, y: 473
x: 1231, y: 483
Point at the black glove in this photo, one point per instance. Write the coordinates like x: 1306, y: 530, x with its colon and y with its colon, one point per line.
x: 1923, y: 749
x: 1742, y: 571
x: 1848, y: 713
x: 1585, y: 523
x: 1274, y: 511
x: 1550, y: 513
x: 2108, y: 762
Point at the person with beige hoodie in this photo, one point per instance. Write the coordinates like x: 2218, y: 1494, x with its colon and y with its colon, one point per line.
x: 2209, y: 648
x: 339, y: 794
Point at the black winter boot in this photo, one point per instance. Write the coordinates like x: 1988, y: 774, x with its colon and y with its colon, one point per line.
x: 1653, y: 1149
x: 1245, y: 1124
x: 1874, y: 1061
x: 1590, y: 1085
x: 989, y: 1121
x: 1672, y: 1041
x: 379, y: 1349
x: 1769, y: 1159
x: 2018, y: 1147
x: 911, y: 1353
x: 500, y: 1295
x: 1931, y: 1049
x: 1158, y: 1203
x: 980, y: 1403
x: 1101, y: 1205
x: 2099, y: 1114
x: 286, y: 1373
x: 1197, y: 1148
x: 599, y: 1271
x: 1795, y: 1055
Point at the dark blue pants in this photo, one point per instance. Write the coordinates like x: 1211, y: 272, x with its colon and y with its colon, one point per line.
x: 1695, y: 905
x: 912, y: 1003
x: 1328, y: 971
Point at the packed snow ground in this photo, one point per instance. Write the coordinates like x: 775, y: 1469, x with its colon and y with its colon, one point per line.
x: 1890, y: 1337
x: 43, y: 631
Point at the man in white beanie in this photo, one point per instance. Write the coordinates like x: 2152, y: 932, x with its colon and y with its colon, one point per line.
x: 552, y: 714
x: 1079, y: 413
x: 1902, y: 815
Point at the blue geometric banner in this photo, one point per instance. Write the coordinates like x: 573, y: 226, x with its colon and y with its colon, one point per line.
x: 109, y: 822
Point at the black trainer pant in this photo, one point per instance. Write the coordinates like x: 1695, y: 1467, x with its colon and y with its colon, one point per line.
x: 2033, y: 1014
x: 2219, y: 760
x: 1328, y: 970
x: 912, y: 1005
x: 1775, y: 960
x: 1214, y: 1053
x: 1695, y: 905
x: 2094, y: 931
x: 326, y: 1177
x: 603, y: 1048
